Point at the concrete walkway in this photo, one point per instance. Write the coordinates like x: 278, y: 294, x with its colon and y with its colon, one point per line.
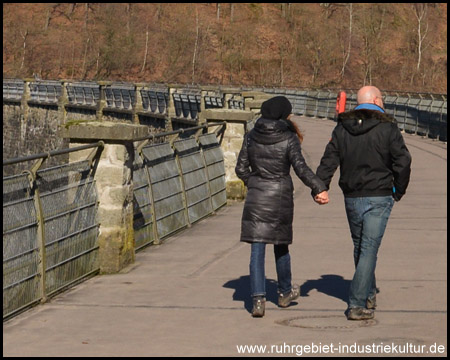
x: 190, y: 296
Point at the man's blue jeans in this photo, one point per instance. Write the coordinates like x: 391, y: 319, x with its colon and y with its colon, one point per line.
x: 367, y: 217
x: 257, y: 269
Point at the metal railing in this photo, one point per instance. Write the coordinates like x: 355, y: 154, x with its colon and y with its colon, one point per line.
x: 176, y: 182
x: 418, y: 113
x: 50, y: 231
x: 421, y: 114
x: 49, y: 228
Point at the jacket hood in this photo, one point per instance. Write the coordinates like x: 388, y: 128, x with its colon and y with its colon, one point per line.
x: 358, y: 122
x: 267, y: 131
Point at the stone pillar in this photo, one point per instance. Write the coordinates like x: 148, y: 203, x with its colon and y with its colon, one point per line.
x: 62, y: 102
x: 231, y: 146
x: 114, y: 183
x: 138, y: 107
x: 237, y: 121
x: 201, y: 114
x: 115, y: 191
x: 102, y: 101
x: 24, y: 105
x: 171, y: 112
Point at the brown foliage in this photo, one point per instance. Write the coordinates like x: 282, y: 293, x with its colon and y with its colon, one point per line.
x: 293, y: 45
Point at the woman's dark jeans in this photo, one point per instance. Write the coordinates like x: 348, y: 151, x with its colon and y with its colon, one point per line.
x: 367, y: 217
x: 257, y: 269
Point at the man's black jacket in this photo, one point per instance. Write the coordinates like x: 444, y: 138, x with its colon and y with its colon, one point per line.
x: 371, y: 153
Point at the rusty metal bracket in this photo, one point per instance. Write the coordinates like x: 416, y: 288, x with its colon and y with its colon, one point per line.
x: 94, y: 152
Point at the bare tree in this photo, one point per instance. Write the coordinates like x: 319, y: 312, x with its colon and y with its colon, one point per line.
x: 146, y: 51
x: 349, y: 48
x: 285, y: 10
x: 128, y: 18
x: 372, y: 26
x: 83, y: 68
x: 24, y: 37
x: 73, y: 60
x: 330, y: 8
x: 421, y: 11
x: 86, y: 15
x: 196, y: 45
x: 51, y: 10
x: 97, y: 62
x: 71, y: 9
x: 47, y: 20
x: 159, y: 11
x: 284, y: 50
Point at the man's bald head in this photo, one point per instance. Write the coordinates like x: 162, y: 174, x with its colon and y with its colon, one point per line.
x: 370, y: 95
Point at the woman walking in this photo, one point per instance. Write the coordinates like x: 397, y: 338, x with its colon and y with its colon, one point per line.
x: 268, y: 152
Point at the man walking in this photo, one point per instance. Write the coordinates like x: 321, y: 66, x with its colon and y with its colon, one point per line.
x: 375, y: 167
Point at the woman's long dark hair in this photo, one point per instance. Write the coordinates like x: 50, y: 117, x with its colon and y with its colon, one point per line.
x: 293, y: 126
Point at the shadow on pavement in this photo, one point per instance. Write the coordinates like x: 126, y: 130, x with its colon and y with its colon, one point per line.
x: 242, y: 291
x: 332, y: 285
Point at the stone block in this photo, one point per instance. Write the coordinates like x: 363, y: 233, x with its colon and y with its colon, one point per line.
x: 114, y: 196
x: 235, y: 129
x: 230, y: 157
x: 110, y: 215
x: 109, y: 175
x: 235, y: 144
x: 236, y: 190
x: 104, y: 130
x: 115, y: 154
x: 228, y: 115
x: 116, y: 249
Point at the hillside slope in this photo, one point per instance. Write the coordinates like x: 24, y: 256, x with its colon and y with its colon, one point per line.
x: 393, y: 46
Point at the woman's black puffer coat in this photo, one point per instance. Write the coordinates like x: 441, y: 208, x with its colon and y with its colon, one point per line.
x: 264, y: 163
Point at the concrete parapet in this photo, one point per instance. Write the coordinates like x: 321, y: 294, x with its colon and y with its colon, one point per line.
x: 229, y: 115
x: 254, y: 99
x: 103, y: 130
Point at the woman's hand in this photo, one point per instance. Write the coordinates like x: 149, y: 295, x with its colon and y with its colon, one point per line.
x: 322, y: 198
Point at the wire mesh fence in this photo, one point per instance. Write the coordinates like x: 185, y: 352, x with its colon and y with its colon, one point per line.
x: 50, y: 227
x: 176, y: 183
x: 49, y: 232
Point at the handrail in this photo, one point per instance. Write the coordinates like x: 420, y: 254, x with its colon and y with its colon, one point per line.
x: 101, y: 144
x: 179, y: 131
x: 51, y: 153
x: 200, y: 86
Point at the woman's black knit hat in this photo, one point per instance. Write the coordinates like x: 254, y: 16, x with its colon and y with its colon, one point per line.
x: 278, y: 107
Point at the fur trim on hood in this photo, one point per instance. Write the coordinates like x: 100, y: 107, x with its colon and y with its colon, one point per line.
x: 361, y: 121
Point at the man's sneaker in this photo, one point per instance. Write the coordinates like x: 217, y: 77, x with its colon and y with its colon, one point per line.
x: 371, y: 302
x: 259, y: 306
x: 358, y: 313
x: 285, y: 299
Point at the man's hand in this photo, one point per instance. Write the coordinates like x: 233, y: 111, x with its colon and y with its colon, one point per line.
x: 322, y: 198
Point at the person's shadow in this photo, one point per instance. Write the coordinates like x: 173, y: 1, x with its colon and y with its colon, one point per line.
x: 332, y: 285
x: 241, y: 288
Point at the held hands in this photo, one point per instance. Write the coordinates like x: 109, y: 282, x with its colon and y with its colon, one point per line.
x: 322, y: 198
